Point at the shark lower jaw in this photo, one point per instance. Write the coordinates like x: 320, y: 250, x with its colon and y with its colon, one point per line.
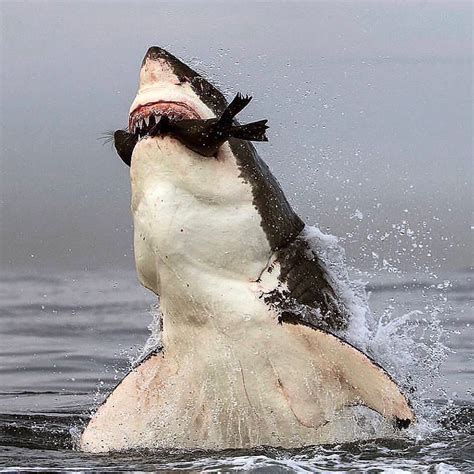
x: 145, y: 116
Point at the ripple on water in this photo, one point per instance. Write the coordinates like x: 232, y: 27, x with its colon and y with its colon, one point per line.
x: 46, y: 441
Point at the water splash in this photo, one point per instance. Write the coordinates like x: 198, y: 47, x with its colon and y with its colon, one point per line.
x: 351, y: 292
x: 153, y: 342
x: 410, y: 345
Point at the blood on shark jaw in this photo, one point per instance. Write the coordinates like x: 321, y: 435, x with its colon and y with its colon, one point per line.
x: 146, y: 116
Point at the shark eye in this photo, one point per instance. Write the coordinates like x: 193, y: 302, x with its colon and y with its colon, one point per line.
x: 199, y: 83
x: 182, y: 80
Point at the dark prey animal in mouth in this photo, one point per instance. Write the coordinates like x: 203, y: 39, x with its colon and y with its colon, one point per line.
x: 202, y: 136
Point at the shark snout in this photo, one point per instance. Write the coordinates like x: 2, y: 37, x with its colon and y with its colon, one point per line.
x: 159, y: 65
x: 156, y: 53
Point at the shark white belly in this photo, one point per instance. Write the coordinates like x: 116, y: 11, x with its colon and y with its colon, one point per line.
x: 217, y: 241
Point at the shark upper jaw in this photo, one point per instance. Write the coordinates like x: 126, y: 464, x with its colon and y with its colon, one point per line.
x: 176, y: 102
x: 145, y: 116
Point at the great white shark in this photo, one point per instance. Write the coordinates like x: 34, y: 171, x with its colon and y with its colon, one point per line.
x: 249, y: 354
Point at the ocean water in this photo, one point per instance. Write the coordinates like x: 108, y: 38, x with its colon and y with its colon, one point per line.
x: 66, y: 339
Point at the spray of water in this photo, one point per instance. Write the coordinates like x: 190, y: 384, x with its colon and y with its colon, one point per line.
x: 410, y: 345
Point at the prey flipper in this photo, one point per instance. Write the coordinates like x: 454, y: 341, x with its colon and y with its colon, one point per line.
x: 239, y: 102
x: 255, y: 131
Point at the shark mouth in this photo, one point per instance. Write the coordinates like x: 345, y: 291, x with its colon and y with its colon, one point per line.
x: 145, y: 117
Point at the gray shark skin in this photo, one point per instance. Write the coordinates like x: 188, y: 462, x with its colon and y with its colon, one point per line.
x: 249, y: 355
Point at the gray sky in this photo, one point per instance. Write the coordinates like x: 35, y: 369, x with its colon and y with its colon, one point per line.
x: 369, y: 104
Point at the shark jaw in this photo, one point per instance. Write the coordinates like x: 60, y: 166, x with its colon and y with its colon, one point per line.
x: 145, y: 117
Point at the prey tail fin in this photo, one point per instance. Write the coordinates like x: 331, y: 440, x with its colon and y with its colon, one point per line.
x: 238, y: 103
x: 255, y: 131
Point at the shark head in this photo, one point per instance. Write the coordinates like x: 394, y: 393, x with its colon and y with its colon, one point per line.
x: 167, y: 87
x: 170, y: 87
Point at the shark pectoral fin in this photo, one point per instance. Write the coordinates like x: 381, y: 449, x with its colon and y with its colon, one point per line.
x: 323, y: 376
x: 363, y: 381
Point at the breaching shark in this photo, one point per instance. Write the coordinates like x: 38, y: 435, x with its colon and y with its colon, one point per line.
x: 249, y: 354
